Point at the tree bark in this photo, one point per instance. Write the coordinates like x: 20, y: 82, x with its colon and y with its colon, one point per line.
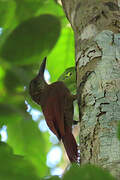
x: 96, y: 25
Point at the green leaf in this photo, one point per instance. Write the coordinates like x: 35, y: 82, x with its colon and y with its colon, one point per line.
x: 26, y: 139
x: 26, y: 9
x: 62, y: 56
x: 7, y: 113
x: 10, y: 108
x: 54, y: 178
x: 7, y: 11
x: 32, y: 40
x: 69, y: 78
x: 17, y: 78
x: 15, y: 167
x: 29, y: 8
x: 2, y: 88
x: 87, y: 172
x: 12, y: 81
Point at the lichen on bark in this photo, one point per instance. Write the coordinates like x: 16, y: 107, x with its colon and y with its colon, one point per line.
x: 96, y: 26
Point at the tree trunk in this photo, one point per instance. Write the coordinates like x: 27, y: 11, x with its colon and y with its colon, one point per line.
x: 96, y: 25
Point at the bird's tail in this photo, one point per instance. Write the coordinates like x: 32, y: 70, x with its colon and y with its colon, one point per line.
x: 70, y: 146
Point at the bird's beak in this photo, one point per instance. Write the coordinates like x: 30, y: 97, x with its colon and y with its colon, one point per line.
x: 42, y: 67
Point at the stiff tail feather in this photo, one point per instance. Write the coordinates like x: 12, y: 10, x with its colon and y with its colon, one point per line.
x: 70, y: 146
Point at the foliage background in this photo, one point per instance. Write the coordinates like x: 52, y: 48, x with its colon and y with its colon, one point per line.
x: 31, y: 30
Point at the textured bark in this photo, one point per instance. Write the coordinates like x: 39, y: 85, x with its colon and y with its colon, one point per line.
x: 96, y: 26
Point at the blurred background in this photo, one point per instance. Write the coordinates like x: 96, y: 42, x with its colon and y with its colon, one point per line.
x: 29, y: 31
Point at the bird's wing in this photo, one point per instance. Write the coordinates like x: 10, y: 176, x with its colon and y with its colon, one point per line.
x: 54, y: 114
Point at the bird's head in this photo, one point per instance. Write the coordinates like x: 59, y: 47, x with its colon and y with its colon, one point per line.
x: 38, y: 84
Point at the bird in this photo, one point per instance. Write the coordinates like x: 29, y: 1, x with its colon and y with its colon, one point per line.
x: 56, y: 102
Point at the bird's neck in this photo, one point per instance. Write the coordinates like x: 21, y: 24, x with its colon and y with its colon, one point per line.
x: 40, y: 93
